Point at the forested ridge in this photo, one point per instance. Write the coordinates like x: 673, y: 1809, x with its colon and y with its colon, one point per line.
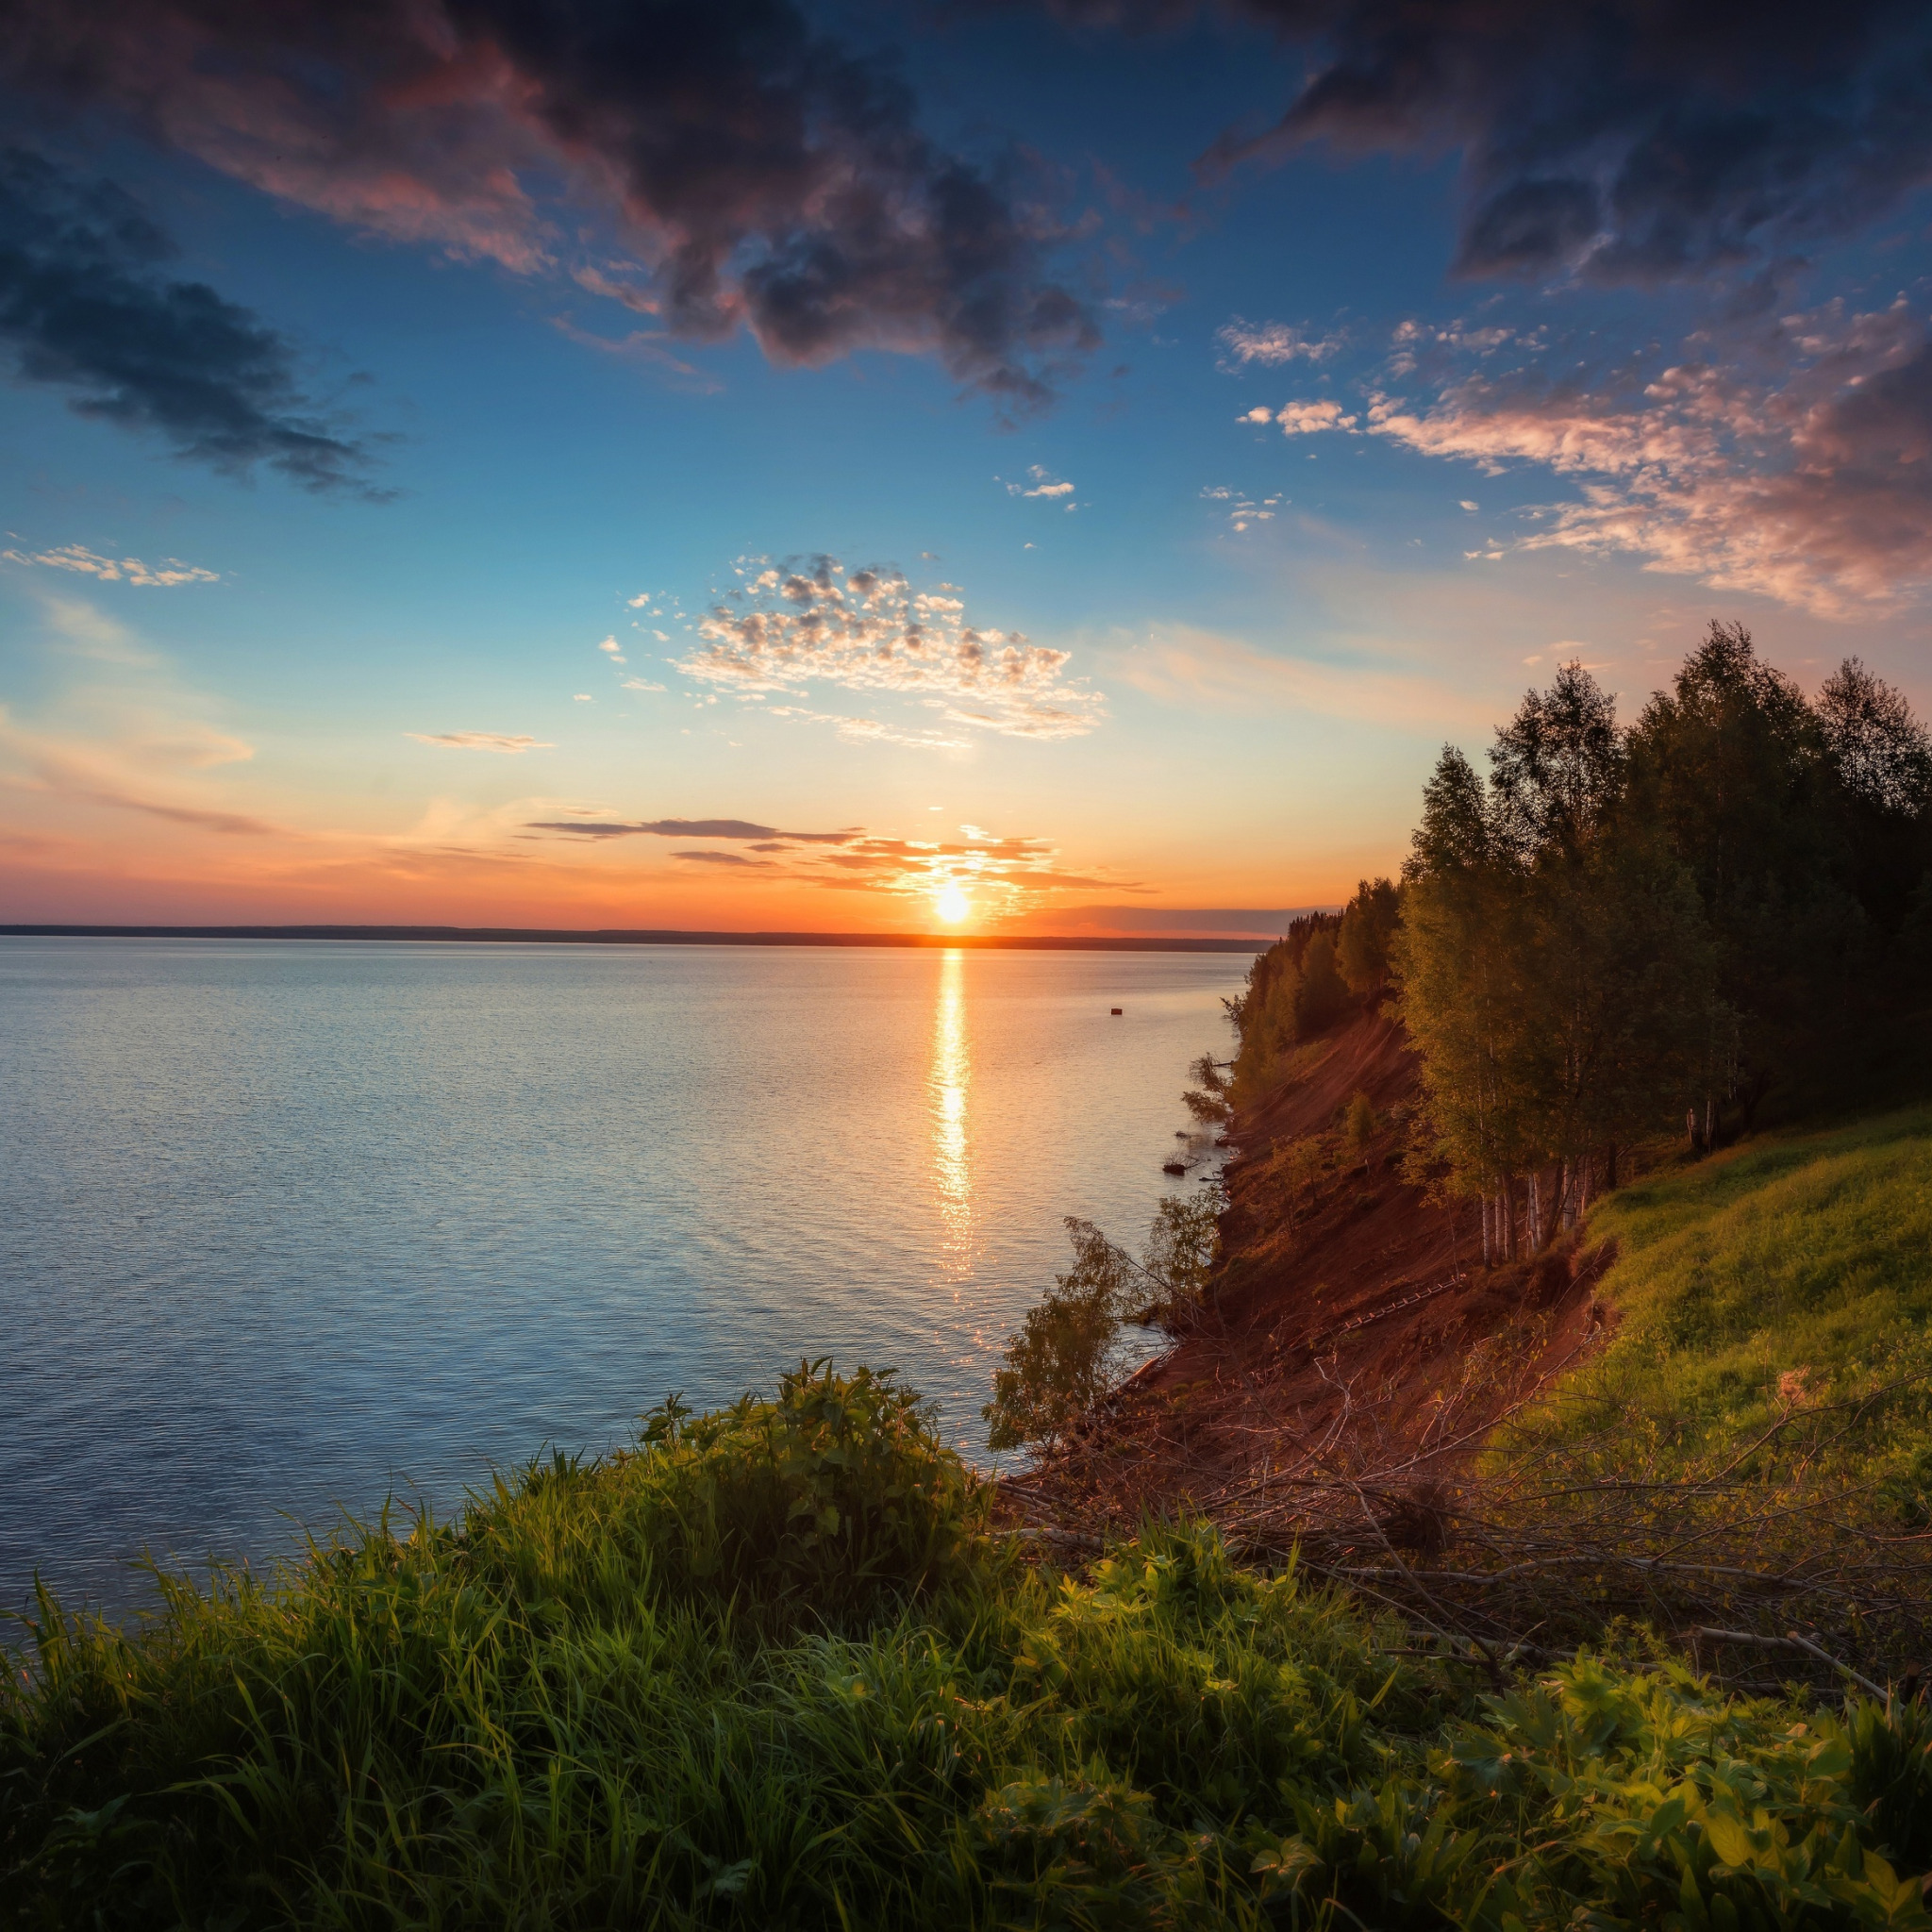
x: 1620, y: 931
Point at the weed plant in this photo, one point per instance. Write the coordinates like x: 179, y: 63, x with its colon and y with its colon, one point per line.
x: 768, y: 1669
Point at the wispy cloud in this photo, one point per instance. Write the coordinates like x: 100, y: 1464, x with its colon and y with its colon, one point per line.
x: 1271, y: 345
x: 1003, y: 875
x: 812, y: 621
x: 645, y: 346
x: 1180, y: 664
x: 480, y: 740
x: 691, y: 828
x: 874, y: 731
x: 165, y: 575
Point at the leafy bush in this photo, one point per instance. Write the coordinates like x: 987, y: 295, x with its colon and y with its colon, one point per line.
x: 1066, y: 1354
x: 837, y: 1490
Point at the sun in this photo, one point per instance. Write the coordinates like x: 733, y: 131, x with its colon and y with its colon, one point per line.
x: 952, y: 905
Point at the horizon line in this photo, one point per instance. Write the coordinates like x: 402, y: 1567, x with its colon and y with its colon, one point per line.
x: 620, y: 936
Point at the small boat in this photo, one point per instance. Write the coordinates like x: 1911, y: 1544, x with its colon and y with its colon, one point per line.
x: 1115, y: 1011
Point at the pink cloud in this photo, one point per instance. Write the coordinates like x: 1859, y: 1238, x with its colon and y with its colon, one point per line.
x: 1797, y: 466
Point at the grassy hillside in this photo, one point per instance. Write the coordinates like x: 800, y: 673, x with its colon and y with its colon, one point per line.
x: 1788, y: 1281
x: 769, y: 1668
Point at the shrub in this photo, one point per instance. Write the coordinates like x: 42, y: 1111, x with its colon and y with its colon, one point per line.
x: 1065, y: 1357
x: 831, y: 1493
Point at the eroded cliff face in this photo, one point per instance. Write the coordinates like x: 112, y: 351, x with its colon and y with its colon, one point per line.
x: 1352, y: 1319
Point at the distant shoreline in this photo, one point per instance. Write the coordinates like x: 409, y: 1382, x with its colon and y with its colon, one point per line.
x: 511, y: 935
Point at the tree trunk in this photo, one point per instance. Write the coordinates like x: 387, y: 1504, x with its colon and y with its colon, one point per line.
x: 1535, y: 1228
x: 1611, y: 1169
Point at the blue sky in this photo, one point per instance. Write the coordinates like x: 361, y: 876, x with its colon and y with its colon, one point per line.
x: 1299, y: 484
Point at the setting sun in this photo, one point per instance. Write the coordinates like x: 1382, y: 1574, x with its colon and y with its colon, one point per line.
x: 952, y: 905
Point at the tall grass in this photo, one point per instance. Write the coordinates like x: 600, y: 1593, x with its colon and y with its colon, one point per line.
x: 769, y: 1668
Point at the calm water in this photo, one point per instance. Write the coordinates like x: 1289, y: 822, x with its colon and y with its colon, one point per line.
x: 284, y: 1227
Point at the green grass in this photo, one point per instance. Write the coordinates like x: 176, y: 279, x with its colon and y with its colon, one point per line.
x: 1789, y: 1274
x: 769, y: 1668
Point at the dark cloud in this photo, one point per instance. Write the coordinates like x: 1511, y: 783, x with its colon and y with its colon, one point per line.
x: 85, y: 307
x: 1636, y: 139
x: 761, y: 173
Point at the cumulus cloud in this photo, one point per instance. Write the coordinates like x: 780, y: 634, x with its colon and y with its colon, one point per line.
x: 479, y: 740
x: 812, y: 621
x: 1623, y: 141
x: 86, y: 308
x: 1272, y: 344
x: 751, y: 170
x: 1041, y: 483
x: 109, y: 570
x: 1792, y: 459
x: 1311, y: 419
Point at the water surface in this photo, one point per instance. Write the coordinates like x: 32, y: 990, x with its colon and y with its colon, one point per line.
x: 286, y: 1226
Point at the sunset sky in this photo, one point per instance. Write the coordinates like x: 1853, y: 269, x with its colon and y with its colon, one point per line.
x: 731, y: 465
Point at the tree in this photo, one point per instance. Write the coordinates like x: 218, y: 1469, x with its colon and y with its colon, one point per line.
x: 1320, y: 997
x: 1881, y: 759
x: 1733, y: 771
x: 1551, y: 962
x: 1361, y: 947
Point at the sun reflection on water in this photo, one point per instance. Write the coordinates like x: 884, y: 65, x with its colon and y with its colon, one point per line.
x: 952, y: 1073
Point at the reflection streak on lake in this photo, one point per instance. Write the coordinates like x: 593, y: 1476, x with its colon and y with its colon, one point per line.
x: 285, y: 1226
x: 951, y: 1072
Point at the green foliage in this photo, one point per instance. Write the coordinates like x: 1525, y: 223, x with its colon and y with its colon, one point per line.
x: 1295, y: 989
x: 1622, y: 930
x: 1184, y: 1247
x: 1320, y: 998
x: 1291, y: 1180
x: 1207, y: 1102
x: 1067, y: 1353
x: 409, y: 1734
x: 837, y: 1491
x: 1368, y: 925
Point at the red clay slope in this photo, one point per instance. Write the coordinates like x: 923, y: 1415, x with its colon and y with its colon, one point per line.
x: 1366, y: 1314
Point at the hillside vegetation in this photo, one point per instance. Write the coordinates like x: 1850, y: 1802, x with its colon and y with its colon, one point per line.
x: 1787, y: 1276
x: 769, y: 1668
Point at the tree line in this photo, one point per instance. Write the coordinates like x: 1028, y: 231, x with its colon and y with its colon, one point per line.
x: 1620, y: 928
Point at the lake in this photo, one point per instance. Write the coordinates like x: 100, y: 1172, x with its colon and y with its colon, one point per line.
x: 288, y: 1227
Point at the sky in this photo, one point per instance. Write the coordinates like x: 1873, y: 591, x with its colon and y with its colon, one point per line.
x: 726, y: 464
